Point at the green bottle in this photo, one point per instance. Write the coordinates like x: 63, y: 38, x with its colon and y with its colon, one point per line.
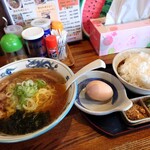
x: 12, y: 46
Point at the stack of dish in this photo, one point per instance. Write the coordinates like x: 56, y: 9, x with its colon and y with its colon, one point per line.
x: 134, y: 75
x: 132, y: 69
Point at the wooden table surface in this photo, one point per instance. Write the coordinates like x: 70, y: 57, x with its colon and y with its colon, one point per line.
x: 74, y: 132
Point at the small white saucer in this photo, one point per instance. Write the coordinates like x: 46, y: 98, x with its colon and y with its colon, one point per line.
x: 139, y: 121
x: 119, y: 101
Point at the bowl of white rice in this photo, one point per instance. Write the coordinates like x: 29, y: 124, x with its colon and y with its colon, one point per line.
x: 132, y: 67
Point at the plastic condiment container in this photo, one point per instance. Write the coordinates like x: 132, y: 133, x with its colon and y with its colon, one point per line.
x: 15, y: 29
x: 43, y: 23
x: 52, y: 46
x: 34, y: 41
x: 57, y: 25
x: 12, y: 46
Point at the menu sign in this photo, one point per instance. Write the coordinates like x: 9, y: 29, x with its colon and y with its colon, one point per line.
x: 22, y: 12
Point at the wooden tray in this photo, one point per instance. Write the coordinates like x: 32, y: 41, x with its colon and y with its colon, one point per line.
x: 69, y: 61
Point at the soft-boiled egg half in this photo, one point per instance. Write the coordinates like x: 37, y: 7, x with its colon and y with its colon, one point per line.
x: 99, y: 90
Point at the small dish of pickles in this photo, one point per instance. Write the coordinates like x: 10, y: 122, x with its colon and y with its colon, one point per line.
x: 139, y: 113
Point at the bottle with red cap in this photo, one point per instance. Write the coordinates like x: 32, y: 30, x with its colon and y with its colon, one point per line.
x: 52, y: 46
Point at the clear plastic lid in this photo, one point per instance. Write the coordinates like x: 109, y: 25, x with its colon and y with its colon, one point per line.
x: 15, y: 29
x: 41, y: 22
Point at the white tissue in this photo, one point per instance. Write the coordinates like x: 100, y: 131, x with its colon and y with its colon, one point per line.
x: 123, y: 11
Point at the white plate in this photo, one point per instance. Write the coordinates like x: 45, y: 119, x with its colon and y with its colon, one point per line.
x: 119, y: 101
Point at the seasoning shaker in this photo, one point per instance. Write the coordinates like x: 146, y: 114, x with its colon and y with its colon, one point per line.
x: 34, y: 41
x: 52, y: 46
x: 43, y: 23
x: 15, y: 29
x: 57, y: 25
x: 12, y: 46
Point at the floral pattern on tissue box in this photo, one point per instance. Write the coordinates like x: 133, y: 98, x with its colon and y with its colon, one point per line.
x: 111, y: 39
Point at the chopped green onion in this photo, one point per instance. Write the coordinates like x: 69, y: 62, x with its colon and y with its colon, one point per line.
x: 40, y: 83
x: 27, y: 89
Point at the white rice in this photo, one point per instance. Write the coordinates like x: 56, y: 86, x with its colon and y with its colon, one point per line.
x: 136, y: 69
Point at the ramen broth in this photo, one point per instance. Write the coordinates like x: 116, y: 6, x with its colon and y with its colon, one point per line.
x: 49, y: 104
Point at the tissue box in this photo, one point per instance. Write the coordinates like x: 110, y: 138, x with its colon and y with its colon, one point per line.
x: 109, y: 39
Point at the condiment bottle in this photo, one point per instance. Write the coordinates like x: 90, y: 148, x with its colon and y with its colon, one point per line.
x: 52, y: 46
x: 57, y: 25
x: 12, y: 46
x: 43, y: 23
x: 34, y: 41
x: 15, y: 29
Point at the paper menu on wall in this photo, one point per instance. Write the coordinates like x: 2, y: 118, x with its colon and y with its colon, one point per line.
x: 22, y: 12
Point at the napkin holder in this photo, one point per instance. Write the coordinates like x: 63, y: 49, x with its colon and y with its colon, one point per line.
x: 110, y: 39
